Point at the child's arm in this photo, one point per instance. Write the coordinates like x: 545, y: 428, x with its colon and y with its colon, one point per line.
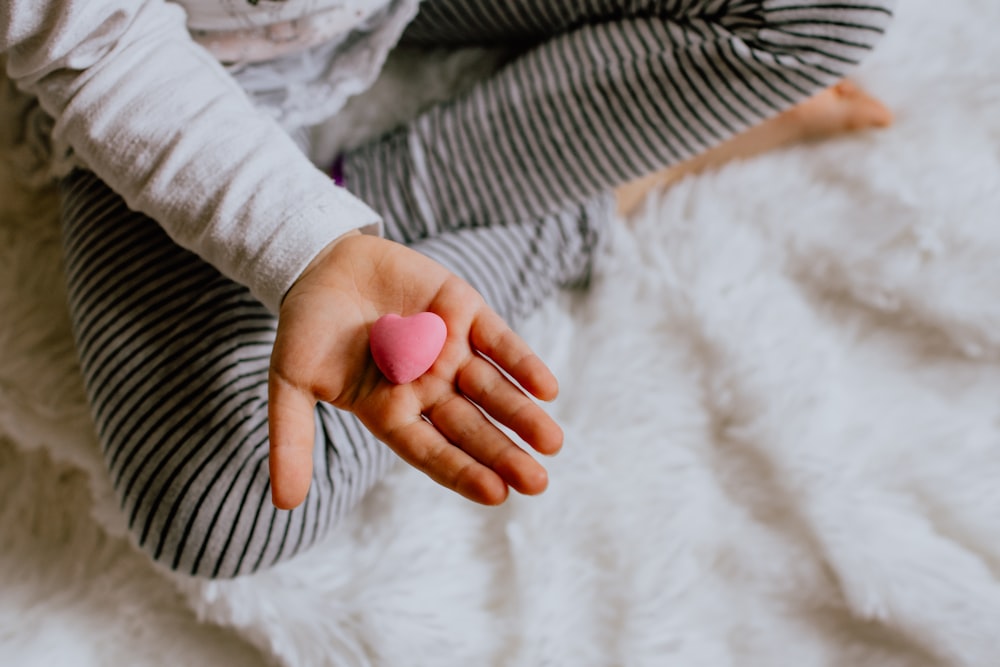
x: 160, y: 121
x: 153, y: 115
x: 433, y: 423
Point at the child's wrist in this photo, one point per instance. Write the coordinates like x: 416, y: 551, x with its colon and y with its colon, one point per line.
x: 328, y: 248
x: 321, y: 257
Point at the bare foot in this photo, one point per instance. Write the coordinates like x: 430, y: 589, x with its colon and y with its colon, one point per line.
x: 840, y: 109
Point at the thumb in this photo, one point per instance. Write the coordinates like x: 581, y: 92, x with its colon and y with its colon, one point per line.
x: 292, y: 432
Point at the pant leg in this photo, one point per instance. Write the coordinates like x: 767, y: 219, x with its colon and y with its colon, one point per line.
x: 175, y: 359
x: 601, y: 93
x: 517, y: 266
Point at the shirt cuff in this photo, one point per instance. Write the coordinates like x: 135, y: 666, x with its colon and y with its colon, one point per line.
x: 296, y: 242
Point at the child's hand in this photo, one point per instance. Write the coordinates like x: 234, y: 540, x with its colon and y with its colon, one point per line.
x: 321, y: 354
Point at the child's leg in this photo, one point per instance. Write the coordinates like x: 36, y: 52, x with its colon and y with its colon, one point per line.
x: 175, y: 359
x: 515, y: 267
x: 839, y: 109
x: 601, y: 96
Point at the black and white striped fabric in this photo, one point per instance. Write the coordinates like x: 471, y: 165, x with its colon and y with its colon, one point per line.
x: 175, y: 359
x: 506, y: 185
x: 603, y: 92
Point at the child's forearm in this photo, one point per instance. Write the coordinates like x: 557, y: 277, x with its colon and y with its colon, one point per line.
x: 163, y: 124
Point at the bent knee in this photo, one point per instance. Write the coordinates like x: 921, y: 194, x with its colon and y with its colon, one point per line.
x: 218, y: 521
x: 214, y: 526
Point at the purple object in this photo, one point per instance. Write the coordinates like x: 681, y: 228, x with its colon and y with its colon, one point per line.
x: 337, y: 171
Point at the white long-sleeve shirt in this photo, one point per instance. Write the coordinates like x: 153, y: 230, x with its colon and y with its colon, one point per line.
x: 157, y: 117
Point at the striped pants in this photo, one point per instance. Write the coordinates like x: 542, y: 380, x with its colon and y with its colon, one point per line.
x: 506, y: 185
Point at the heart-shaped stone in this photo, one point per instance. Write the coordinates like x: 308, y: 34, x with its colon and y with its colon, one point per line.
x: 405, y: 347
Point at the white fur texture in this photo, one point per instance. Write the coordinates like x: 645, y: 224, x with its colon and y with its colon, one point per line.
x: 782, y: 406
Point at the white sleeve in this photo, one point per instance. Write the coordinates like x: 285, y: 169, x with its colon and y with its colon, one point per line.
x: 161, y: 122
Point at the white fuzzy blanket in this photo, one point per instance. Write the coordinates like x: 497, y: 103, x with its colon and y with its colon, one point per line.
x: 782, y: 406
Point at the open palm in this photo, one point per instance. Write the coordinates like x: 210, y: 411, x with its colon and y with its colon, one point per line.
x: 437, y: 422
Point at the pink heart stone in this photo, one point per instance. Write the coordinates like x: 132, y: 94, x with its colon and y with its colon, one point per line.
x: 405, y: 347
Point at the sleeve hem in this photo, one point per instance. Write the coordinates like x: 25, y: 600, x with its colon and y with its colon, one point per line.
x: 301, y: 238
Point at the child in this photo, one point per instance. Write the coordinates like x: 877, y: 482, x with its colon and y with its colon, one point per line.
x: 221, y: 287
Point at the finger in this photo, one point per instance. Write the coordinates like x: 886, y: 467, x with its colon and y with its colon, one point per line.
x: 422, y: 446
x: 463, y: 424
x: 292, y: 434
x: 488, y: 388
x: 491, y: 336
